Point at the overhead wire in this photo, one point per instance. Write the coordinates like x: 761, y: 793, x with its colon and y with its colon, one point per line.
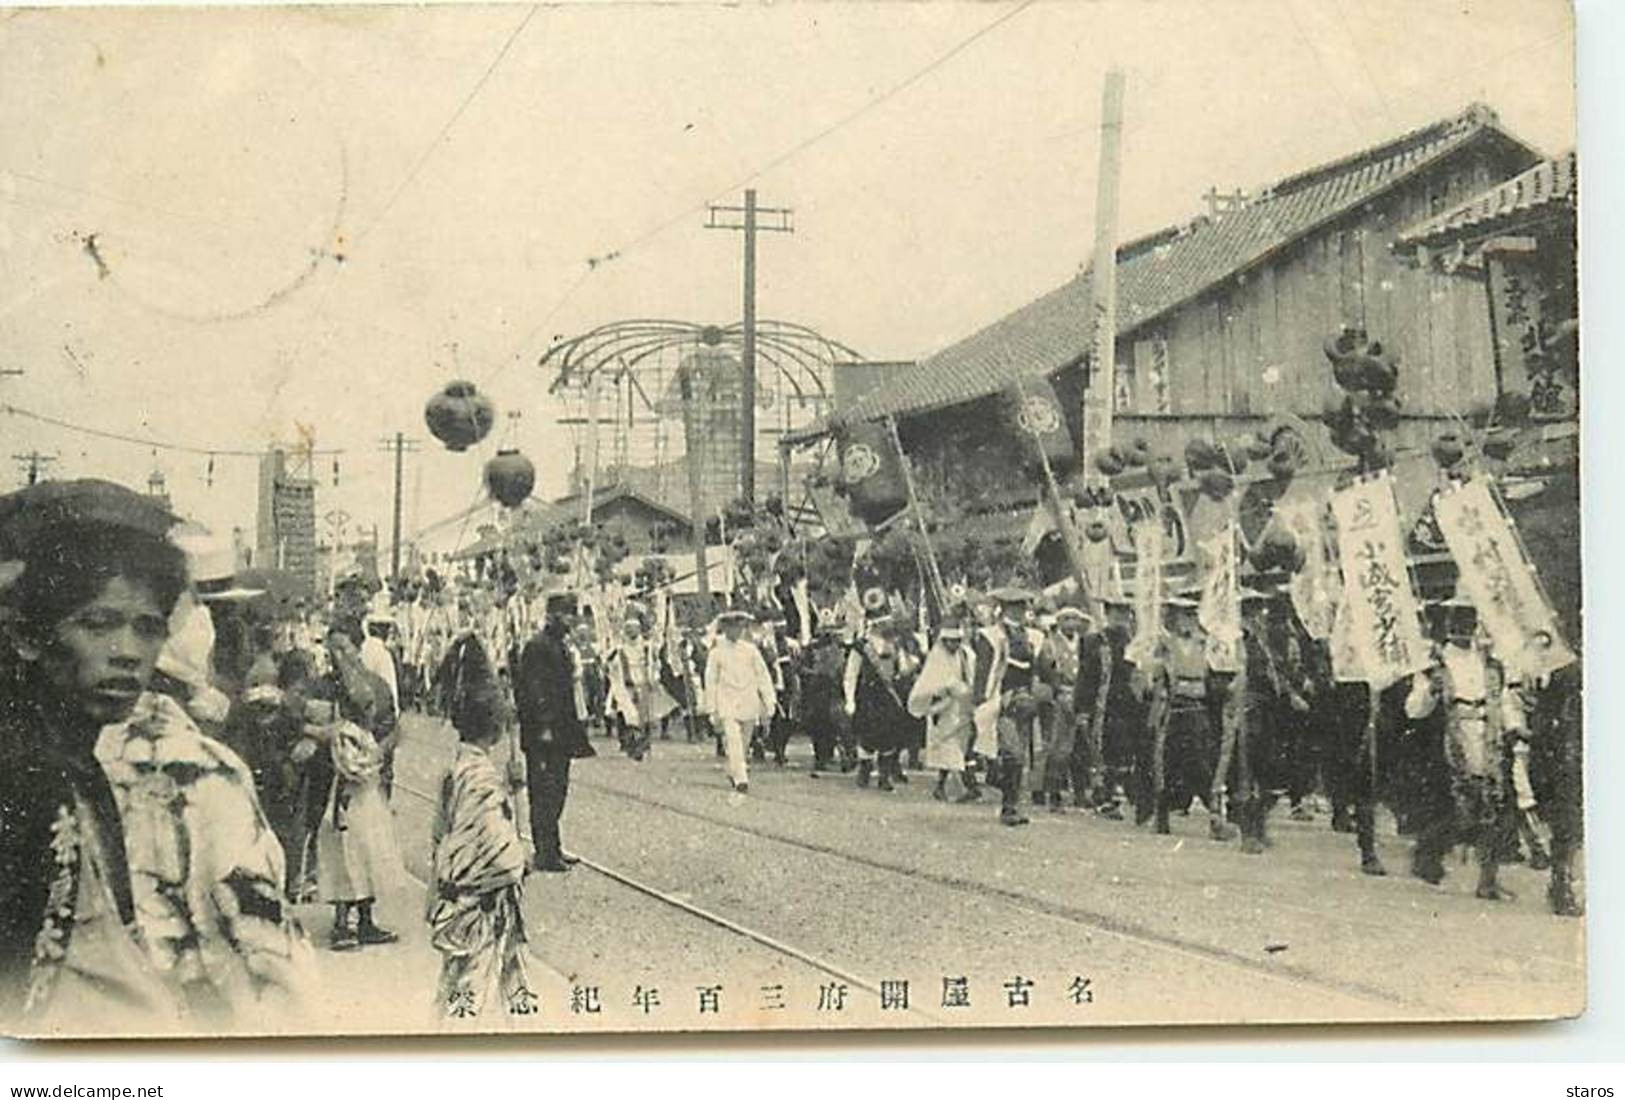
x: 148, y: 441
x: 598, y: 262
x: 462, y: 108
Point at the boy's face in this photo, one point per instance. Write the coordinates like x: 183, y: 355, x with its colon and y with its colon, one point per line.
x: 99, y: 659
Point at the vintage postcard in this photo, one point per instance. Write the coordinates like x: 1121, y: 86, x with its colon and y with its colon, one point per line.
x: 670, y: 517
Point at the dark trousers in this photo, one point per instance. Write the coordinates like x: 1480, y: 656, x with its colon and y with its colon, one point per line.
x: 547, y: 776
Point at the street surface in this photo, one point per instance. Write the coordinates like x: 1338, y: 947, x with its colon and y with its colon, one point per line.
x: 1073, y: 920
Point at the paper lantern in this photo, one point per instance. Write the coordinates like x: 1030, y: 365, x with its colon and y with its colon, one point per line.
x: 459, y: 415
x: 510, y: 476
x: 1448, y: 448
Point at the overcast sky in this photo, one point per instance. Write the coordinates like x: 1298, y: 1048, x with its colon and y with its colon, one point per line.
x: 939, y: 156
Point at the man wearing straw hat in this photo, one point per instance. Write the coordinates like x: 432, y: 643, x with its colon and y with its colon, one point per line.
x: 739, y: 691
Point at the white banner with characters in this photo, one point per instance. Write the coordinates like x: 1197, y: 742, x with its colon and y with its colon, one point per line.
x: 1220, y: 609
x: 1378, y: 600
x: 1499, y: 580
x: 1148, y: 588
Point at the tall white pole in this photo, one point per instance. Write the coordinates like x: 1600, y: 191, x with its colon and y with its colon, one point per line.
x: 1100, y: 395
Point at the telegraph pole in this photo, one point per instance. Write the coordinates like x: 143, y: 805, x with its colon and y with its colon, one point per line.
x: 696, y: 487
x: 1100, y: 394
x: 749, y: 219
x: 401, y: 446
x: 34, y: 464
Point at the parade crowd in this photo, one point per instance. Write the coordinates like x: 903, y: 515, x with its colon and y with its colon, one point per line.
x: 178, y: 775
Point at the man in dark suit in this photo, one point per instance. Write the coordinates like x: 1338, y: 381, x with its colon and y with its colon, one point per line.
x: 552, y: 728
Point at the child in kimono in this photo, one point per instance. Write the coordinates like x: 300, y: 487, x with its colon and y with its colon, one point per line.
x: 475, y: 913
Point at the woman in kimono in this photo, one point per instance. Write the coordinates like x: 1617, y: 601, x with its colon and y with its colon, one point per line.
x: 475, y: 917
x: 942, y: 696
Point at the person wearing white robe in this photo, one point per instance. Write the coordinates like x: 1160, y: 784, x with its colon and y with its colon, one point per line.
x: 738, y: 691
x: 942, y: 695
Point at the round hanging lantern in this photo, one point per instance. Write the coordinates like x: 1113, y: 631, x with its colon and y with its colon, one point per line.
x: 459, y: 415
x: 510, y: 476
x: 1216, y: 484
x: 1449, y: 448
x: 1200, y: 455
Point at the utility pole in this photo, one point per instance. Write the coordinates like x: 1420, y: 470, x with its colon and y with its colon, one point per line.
x: 779, y: 221
x: 1100, y: 395
x: 401, y: 446
x: 696, y: 485
x: 34, y: 464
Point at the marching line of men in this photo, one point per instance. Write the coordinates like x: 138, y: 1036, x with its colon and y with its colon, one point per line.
x: 1036, y: 703
x: 1040, y: 703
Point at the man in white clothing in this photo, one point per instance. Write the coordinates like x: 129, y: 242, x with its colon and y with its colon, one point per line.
x: 738, y: 691
x: 376, y: 656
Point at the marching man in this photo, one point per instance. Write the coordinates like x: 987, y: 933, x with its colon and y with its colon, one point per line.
x: 942, y: 696
x: 738, y: 691
x: 874, y: 666
x: 1018, y: 711
x: 635, y: 690
x: 1058, y: 666
x: 1482, y: 715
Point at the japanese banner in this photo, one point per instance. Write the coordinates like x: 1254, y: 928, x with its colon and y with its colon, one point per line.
x: 1148, y: 585
x: 1314, y: 587
x: 1035, y: 412
x: 1220, y: 609
x: 1378, y: 600
x: 1499, y: 580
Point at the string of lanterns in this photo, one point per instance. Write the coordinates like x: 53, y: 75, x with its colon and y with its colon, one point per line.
x: 459, y: 416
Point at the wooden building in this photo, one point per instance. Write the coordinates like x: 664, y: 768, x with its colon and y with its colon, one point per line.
x: 1221, y: 320
x: 1515, y: 245
x: 646, y: 524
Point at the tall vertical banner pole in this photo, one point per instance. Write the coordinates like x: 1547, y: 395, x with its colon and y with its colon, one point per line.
x: 592, y: 449
x: 747, y: 419
x: 938, y: 591
x: 1063, y: 523
x: 1100, y: 390
x: 696, y: 485
x: 395, y: 533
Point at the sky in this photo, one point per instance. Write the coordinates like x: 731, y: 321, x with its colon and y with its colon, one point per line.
x: 319, y: 216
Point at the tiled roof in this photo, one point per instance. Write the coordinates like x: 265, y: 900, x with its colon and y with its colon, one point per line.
x: 1551, y: 183
x: 1164, y: 270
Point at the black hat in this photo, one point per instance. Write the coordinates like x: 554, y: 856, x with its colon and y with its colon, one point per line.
x: 28, y: 513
